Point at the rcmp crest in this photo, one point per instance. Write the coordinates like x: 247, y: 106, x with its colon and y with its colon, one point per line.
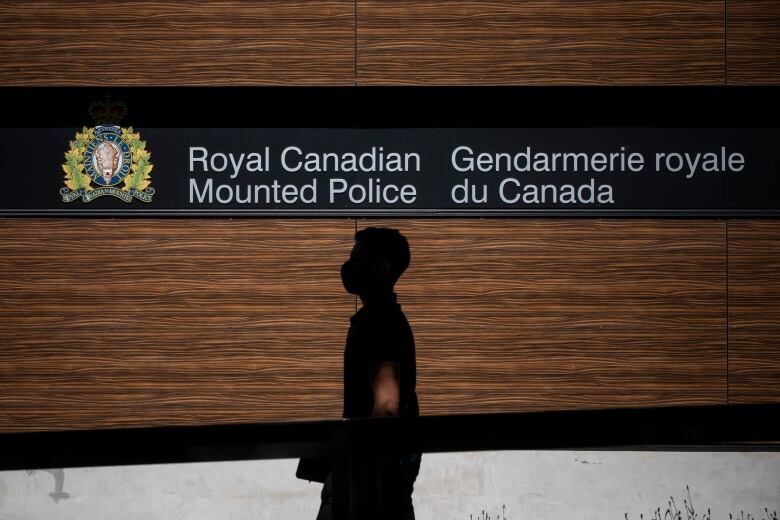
x: 107, y: 159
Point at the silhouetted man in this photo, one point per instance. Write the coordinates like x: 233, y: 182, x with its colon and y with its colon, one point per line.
x: 379, y: 374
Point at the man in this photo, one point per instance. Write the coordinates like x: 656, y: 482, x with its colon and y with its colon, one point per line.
x: 379, y: 374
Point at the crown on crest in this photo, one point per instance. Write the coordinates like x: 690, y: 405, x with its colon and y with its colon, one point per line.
x: 107, y: 112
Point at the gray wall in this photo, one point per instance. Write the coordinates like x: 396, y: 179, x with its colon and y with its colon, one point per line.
x: 540, y: 485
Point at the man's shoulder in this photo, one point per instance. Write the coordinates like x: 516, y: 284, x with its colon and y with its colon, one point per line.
x: 389, y: 317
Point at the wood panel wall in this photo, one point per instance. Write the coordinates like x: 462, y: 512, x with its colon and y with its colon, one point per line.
x: 209, y: 321
x: 110, y: 323
x: 529, y: 314
x: 754, y: 311
x: 753, y: 42
x: 368, y: 42
x: 125, y: 322
x: 591, y: 42
x: 177, y: 42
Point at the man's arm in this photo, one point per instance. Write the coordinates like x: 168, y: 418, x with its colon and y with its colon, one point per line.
x: 386, y: 385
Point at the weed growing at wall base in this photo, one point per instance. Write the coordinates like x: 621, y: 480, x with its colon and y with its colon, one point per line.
x: 674, y: 513
x: 487, y: 516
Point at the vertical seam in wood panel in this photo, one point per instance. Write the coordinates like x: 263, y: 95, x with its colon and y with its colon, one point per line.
x: 726, y: 54
x: 356, y: 228
x: 728, y: 296
x: 356, y: 57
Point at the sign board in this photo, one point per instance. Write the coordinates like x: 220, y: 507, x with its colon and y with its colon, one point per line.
x: 111, y: 170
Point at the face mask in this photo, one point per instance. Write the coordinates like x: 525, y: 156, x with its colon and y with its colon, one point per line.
x: 352, y: 278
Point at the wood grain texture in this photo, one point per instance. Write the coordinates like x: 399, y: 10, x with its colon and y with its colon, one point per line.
x: 212, y: 42
x: 133, y: 322
x: 524, y: 314
x: 754, y: 311
x: 753, y: 54
x: 540, y: 42
x: 108, y: 323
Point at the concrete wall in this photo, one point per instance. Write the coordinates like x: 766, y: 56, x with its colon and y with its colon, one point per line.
x: 496, y: 485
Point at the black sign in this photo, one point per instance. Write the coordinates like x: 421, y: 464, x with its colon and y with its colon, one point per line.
x: 112, y: 170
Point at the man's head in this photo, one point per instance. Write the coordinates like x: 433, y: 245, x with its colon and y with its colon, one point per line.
x: 378, y: 259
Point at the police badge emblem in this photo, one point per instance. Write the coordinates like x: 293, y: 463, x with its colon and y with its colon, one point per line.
x: 102, y: 157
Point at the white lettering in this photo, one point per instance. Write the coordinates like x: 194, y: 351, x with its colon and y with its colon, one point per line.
x: 296, y: 166
x: 502, y: 192
x: 202, y: 158
x: 334, y: 190
x: 236, y: 164
x: 207, y: 188
x: 222, y: 157
x: 468, y: 161
x: 736, y: 162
